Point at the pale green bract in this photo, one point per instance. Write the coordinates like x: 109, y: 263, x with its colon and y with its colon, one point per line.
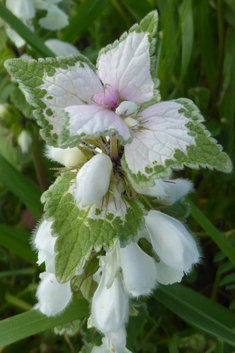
x: 82, y: 230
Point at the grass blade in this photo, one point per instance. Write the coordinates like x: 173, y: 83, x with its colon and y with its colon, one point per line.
x: 18, y: 241
x: 199, y: 311
x: 187, y: 32
x: 27, y: 324
x: 214, y: 233
x: 25, y: 32
x: 21, y: 186
x: 86, y: 14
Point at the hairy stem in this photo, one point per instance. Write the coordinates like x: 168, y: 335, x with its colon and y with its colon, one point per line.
x: 38, y: 164
x: 113, y: 148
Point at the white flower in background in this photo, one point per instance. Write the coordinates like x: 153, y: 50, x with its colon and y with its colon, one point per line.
x: 171, y: 241
x: 61, y: 48
x: 93, y: 180
x: 24, y: 140
x: 167, y: 191
x: 53, y: 297
x: 25, y: 10
x: 69, y: 157
x: 138, y: 269
x: 110, y: 305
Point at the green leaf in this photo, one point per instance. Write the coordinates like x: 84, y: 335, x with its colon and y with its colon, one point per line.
x: 36, y: 77
x: 85, y: 15
x: 18, y: 99
x: 27, y: 324
x: 21, y: 186
x: 25, y: 32
x: 227, y: 266
x: 187, y: 33
x: 227, y: 279
x: 18, y: 241
x: 201, y: 151
x: 199, y: 311
x: 214, y: 233
x: 94, y: 227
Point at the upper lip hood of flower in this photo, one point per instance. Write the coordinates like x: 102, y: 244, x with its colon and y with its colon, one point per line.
x: 171, y: 241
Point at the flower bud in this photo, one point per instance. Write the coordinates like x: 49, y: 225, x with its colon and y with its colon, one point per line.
x: 127, y: 108
x: 53, y: 297
x: 93, y: 180
x: 24, y: 140
x: 171, y: 241
x: 109, y: 306
x: 69, y: 157
x: 139, y: 270
x: 167, y: 191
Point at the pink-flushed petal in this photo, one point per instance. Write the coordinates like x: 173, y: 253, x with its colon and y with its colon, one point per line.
x: 87, y: 120
x: 127, y: 68
x: 164, y: 133
x: 67, y: 87
x: 108, y: 98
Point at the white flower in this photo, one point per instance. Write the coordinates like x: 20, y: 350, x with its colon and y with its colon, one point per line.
x: 61, y: 48
x: 113, y: 342
x: 68, y: 157
x: 24, y: 140
x: 25, y: 10
x: 52, y: 296
x: 168, y: 275
x: 139, y: 270
x: 109, y: 307
x: 93, y: 180
x: 44, y: 242
x: 167, y: 191
x: 171, y: 241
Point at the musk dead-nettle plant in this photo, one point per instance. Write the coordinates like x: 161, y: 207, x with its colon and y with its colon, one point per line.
x: 115, y: 203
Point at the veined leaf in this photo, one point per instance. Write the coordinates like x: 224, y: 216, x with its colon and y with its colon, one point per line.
x: 80, y: 231
x: 172, y: 137
x: 199, y: 311
x: 24, y: 325
x: 25, y: 32
x: 21, y: 186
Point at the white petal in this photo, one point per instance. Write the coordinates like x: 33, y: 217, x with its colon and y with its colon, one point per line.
x: 171, y: 241
x: 23, y: 9
x: 126, y: 68
x: 68, y: 157
x: 168, y: 275
x: 139, y: 270
x: 61, y: 48
x: 109, y: 306
x: 52, y: 296
x: 118, y: 338
x: 25, y: 141
x: 15, y: 38
x: 93, y: 180
x: 167, y: 191
x: 44, y: 242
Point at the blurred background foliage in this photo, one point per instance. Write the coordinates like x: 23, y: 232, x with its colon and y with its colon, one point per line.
x: 196, y: 59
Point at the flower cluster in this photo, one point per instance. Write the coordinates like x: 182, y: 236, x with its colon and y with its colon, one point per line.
x: 25, y: 10
x: 116, y: 194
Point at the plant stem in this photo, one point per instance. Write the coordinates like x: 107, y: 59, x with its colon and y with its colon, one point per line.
x: 220, y: 13
x: 38, y: 164
x: 113, y: 147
